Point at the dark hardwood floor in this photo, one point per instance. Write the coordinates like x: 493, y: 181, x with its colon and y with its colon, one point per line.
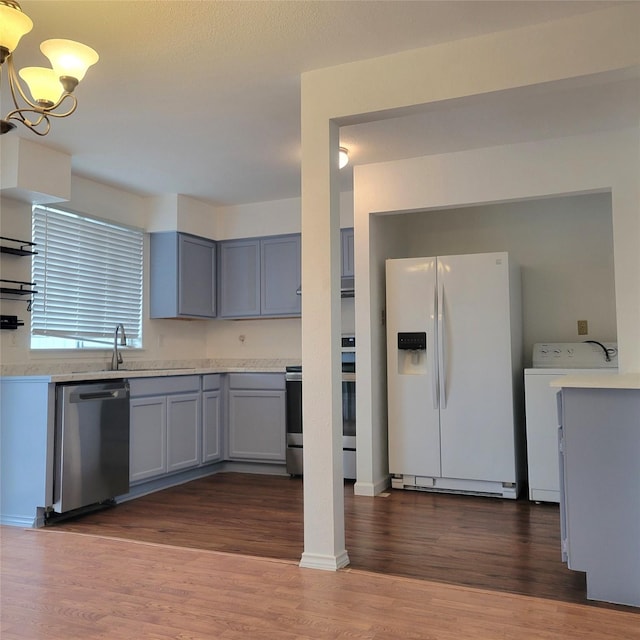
x: 488, y: 543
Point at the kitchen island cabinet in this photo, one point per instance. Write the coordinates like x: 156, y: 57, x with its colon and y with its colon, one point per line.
x: 600, y: 490
x: 256, y: 405
x: 165, y: 426
x: 260, y: 277
x: 182, y: 276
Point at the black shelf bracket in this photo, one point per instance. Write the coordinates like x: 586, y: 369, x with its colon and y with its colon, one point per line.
x: 17, y: 247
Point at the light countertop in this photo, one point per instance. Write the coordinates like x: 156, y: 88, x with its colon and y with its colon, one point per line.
x: 595, y: 381
x: 77, y: 372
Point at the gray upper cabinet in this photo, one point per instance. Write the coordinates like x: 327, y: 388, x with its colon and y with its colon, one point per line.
x: 259, y: 277
x: 183, y: 276
x: 280, y: 275
x: 346, y: 240
x: 239, y: 286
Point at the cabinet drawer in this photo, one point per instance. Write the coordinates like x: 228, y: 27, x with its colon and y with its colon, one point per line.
x: 163, y: 385
x: 264, y: 381
x: 211, y: 381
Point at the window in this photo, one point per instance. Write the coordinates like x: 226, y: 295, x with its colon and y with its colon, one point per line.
x: 88, y: 275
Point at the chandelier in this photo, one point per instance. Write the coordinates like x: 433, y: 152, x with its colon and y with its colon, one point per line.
x: 51, y: 89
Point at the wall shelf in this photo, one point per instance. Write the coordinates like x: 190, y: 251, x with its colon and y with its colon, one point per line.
x: 17, y: 247
x: 17, y: 290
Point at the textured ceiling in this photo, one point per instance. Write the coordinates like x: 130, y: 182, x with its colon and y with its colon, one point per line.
x: 202, y: 98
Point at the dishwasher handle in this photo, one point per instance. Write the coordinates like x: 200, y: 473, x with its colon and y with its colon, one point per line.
x: 105, y: 394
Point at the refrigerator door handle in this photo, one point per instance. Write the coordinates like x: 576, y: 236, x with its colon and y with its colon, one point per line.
x: 442, y: 339
x: 435, y: 383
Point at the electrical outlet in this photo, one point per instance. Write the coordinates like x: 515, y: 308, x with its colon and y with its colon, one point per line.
x: 583, y: 327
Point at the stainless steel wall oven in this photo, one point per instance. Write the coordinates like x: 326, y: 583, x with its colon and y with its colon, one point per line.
x: 293, y: 382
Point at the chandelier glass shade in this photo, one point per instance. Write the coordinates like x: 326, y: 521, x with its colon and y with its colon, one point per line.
x: 51, y: 89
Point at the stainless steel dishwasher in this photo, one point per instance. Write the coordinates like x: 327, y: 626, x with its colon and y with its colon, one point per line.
x: 91, y: 444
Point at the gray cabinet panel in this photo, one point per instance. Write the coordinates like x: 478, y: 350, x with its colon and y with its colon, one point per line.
x: 211, y: 381
x: 260, y: 381
x: 183, y: 431
x: 197, y: 277
x: 601, y: 504
x: 346, y: 241
x: 211, y: 426
x: 280, y: 275
x: 257, y: 425
x: 239, y: 286
x: 147, y: 457
x: 165, y: 426
x: 182, y: 276
x: 259, y: 277
x: 163, y: 385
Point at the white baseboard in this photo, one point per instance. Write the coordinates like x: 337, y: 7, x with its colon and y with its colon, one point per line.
x: 324, y: 562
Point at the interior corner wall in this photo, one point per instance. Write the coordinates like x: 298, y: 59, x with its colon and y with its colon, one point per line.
x: 603, y: 162
x: 563, y: 246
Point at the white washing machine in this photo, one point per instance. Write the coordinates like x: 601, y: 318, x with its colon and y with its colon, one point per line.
x: 550, y: 361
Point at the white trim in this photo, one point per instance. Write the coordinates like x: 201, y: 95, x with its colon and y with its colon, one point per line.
x: 325, y: 562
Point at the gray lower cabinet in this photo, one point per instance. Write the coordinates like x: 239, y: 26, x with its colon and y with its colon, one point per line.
x: 346, y: 246
x: 211, y: 418
x: 165, y: 425
x: 148, y: 448
x: 182, y: 276
x: 256, y: 410
x: 259, y: 277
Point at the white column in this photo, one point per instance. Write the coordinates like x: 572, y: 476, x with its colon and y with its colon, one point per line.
x: 324, y: 537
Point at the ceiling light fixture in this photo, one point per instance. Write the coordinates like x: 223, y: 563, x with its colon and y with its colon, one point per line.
x: 49, y: 88
x: 343, y: 157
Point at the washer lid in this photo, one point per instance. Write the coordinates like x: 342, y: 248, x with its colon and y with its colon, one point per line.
x: 575, y: 355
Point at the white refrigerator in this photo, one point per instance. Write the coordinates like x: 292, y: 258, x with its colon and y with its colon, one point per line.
x: 453, y: 369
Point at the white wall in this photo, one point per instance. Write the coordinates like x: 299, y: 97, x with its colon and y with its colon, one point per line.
x: 564, y: 247
x: 164, y: 339
x: 267, y: 338
x: 578, y: 165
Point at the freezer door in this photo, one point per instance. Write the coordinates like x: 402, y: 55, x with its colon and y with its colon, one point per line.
x: 476, y: 401
x: 412, y: 382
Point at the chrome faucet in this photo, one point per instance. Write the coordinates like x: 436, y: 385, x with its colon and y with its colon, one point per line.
x: 116, y: 357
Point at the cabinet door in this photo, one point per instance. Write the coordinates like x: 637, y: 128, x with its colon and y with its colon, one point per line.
x: 197, y: 277
x: 182, y: 276
x: 256, y: 425
x: 239, y: 284
x: 147, y: 457
x: 211, y: 420
x: 183, y: 431
x: 346, y: 241
x: 280, y: 276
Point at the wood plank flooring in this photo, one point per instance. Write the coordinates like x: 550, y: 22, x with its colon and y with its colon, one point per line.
x: 499, y: 545
x: 59, y: 585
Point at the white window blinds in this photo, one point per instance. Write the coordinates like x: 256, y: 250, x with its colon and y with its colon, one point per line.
x: 88, y: 275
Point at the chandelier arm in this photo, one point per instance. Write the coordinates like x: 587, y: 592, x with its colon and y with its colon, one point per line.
x: 74, y: 105
x: 14, y: 83
x: 19, y: 115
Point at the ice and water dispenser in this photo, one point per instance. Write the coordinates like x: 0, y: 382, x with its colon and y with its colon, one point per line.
x: 412, y: 353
